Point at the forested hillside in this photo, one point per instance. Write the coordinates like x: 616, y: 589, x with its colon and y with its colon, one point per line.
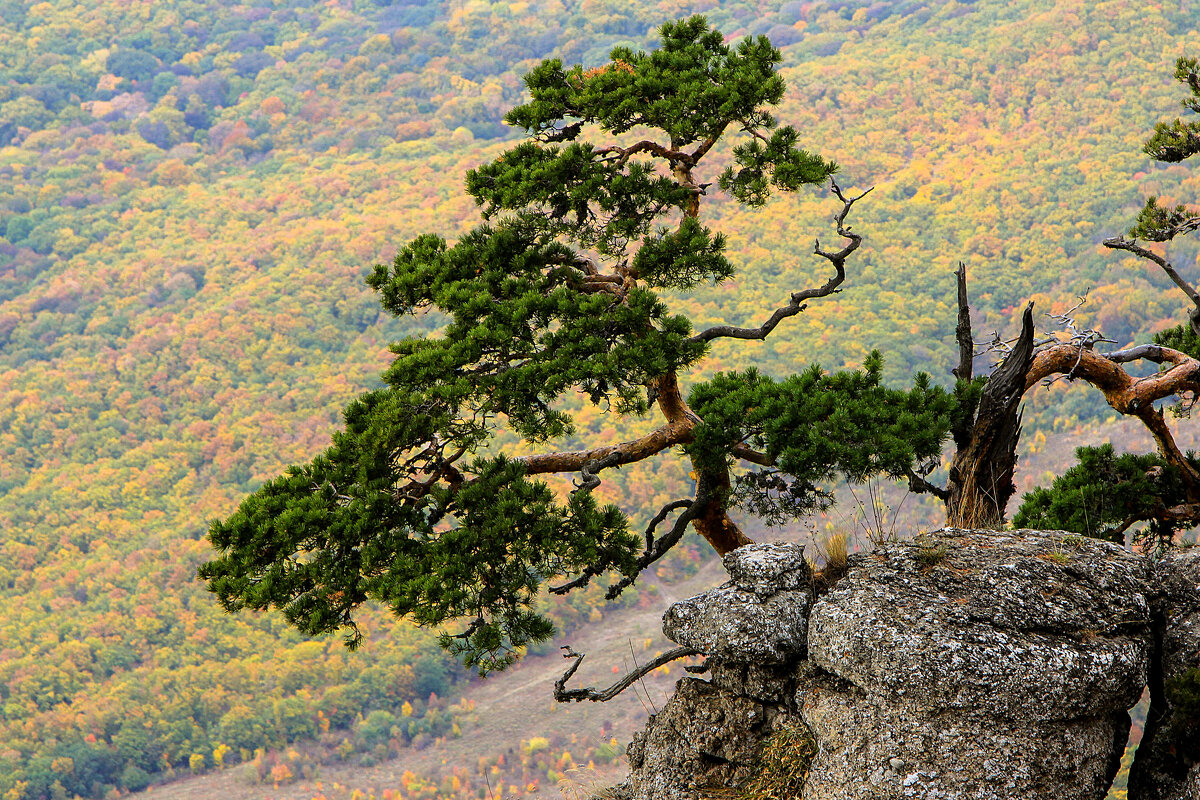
x: 192, y: 192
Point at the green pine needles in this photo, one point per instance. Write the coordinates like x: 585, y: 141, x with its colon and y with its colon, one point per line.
x: 1174, y: 141
x: 1105, y: 493
x: 551, y: 301
x: 815, y: 427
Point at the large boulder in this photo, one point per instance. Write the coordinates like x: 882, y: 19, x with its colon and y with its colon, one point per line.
x: 759, y: 617
x: 962, y: 664
x: 978, y: 664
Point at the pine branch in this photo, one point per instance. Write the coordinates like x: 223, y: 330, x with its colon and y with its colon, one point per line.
x: 586, y: 576
x: 1121, y: 243
x: 613, y: 455
x: 796, y: 303
x: 1126, y: 394
x: 917, y: 484
x: 623, y: 154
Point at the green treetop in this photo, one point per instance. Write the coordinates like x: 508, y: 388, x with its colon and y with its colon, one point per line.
x: 555, y: 295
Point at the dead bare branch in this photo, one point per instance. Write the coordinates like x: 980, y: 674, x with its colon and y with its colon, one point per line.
x: 657, y: 548
x: 962, y: 331
x: 564, y: 695
x: 1148, y: 352
x: 1121, y: 243
x: 588, y: 471
x: 917, y: 484
x: 796, y: 303
x: 585, y: 578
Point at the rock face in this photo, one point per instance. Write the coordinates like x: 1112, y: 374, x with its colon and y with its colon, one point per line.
x: 995, y: 665
x: 753, y: 629
x: 1168, y: 763
x: 759, y: 617
x: 964, y: 664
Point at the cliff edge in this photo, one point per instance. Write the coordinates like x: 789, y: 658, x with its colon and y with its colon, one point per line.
x: 961, y: 664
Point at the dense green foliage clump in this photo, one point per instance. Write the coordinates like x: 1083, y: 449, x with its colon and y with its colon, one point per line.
x: 803, y: 423
x: 1103, y: 491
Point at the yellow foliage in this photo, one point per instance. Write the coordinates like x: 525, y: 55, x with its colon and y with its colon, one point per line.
x: 535, y: 745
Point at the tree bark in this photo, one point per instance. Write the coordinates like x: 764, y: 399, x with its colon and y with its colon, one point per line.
x: 713, y: 523
x: 981, y: 473
x: 1131, y: 396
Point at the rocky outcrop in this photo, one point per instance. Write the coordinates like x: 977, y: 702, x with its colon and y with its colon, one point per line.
x: 995, y: 665
x: 705, y: 740
x: 759, y: 617
x: 753, y: 630
x: 963, y: 664
x: 1168, y: 762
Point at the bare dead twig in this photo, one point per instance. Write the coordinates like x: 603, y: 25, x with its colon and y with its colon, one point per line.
x: 1077, y: 336
x: 565, y: 695
x: 1129, y: 245
x: 655, y: 549
x: 641, y: 683
x: 589, y: 469
x: 796, y: 303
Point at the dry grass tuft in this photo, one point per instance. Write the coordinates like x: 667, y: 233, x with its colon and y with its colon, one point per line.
x: 930, y: 553
x: 833, y: 559
x: 783, y: 764
x: 583, y: 783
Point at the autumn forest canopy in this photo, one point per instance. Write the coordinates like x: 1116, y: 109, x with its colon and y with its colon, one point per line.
x: 611, y: 259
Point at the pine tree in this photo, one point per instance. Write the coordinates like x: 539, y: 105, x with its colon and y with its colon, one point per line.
x: 1105, y: 494
x: 557, y: 295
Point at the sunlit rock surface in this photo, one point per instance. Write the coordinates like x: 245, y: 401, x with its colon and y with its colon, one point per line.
x: 961, y: 664
x: 979, y: 664
x: 759, y: 617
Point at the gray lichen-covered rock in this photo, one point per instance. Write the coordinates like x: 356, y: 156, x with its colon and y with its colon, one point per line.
x: 875, y: 749
x: 769, y: 568
x: 991, y: 664
x: 704, y: 740
x: 1191, y: 785
x: 1014, y: 624
x: 732, y: 624
x: 1177, y: 579
x: 965, y: 664
x: 759, y: 617
x: 1168, y: 762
